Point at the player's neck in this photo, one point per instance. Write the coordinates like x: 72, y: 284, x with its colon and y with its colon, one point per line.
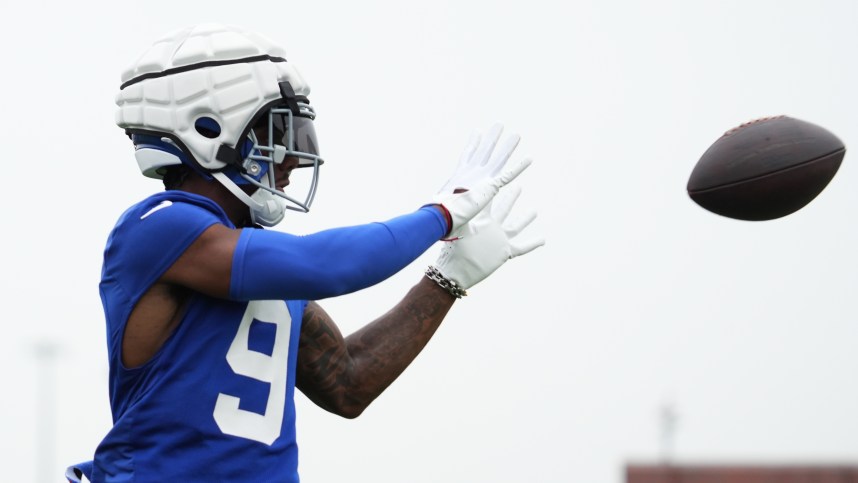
x: 234, y: 208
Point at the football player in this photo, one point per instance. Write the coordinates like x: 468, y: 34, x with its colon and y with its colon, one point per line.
x: 212, y: 321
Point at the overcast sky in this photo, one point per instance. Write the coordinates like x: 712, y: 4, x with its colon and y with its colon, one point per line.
x: 556, y: 367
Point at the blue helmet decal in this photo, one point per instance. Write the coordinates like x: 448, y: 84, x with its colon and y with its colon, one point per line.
x: 145, y: 141
x: 204, y: 124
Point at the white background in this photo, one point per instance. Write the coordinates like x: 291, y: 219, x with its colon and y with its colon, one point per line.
x: 556, y: 368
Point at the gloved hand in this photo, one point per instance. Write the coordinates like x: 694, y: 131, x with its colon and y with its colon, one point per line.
x: 486, y: 243
x: 480, y: 174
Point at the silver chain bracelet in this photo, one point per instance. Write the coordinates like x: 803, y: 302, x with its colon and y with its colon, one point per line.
x: 455, y: 290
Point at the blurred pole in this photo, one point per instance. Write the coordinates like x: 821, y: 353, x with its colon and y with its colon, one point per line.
x: 46, y: 425
x: 668, y: 419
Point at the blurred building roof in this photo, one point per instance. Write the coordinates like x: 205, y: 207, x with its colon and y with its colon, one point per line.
x: 726, y: 473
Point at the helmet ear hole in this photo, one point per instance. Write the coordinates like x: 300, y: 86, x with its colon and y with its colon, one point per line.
x: 207, y: 127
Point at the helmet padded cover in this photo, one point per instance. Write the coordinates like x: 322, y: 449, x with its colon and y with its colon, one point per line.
x: 229, y: 94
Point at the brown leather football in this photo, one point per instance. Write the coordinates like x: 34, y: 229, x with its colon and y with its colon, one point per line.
x: 765, y: 169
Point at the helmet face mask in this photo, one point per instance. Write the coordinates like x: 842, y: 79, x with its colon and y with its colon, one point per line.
x: 201, y: 92
x: 285, y: 135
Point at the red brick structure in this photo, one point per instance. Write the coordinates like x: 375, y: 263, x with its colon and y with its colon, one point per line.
x: 741, y: 474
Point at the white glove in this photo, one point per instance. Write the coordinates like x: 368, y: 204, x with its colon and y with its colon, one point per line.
x: 488, y: 241
x: 481, y: 172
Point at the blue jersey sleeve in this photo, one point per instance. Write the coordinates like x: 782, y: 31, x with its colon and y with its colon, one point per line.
x: 151, y: 236
x: 274, y: 265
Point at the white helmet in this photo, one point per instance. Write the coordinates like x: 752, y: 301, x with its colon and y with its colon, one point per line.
x: 194, y: 97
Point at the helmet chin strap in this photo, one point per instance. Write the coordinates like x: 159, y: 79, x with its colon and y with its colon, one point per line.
x: 264, y: 210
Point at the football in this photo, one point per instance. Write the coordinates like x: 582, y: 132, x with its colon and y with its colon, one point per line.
x: 765, y: 169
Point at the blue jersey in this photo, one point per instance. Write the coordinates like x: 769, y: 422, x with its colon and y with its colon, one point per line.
x: 215, y: 403
x: 221, y: 385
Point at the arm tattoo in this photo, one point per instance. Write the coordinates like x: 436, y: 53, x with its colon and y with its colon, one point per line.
x: 344, y: 375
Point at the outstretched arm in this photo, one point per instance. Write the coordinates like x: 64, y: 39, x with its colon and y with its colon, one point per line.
x: 344, y: 375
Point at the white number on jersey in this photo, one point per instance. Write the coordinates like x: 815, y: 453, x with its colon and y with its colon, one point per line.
x: 264, y: 428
